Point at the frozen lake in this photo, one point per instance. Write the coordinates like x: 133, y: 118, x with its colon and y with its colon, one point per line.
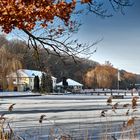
x: 75, y: 116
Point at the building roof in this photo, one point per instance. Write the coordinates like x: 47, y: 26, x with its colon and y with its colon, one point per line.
x: 28, y: 73
x: 31, y: 73
x: 70, y: 83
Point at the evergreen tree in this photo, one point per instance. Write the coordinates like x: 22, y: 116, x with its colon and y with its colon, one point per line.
x: 49, y: 83
x: 46, y: 83
x: 65, y: 83
x: 36, y: 84
x: 43, y: 83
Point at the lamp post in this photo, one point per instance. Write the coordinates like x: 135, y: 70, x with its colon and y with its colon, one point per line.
x: 119, y: 79
x: 118, y: 84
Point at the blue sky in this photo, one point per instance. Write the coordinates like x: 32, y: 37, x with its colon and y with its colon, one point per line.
x: 121, y: 38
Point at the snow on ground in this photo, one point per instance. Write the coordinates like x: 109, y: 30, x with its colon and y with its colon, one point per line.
x: 75, y: 115
x: 2, y: 94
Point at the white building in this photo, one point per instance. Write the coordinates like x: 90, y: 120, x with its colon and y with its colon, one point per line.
x: 23, y: 79
x: 72, y: 85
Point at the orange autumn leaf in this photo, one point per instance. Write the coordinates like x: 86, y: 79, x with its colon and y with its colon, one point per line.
x: 24, y: 14
x: 134, y: 101
x: 85, y: 1
x: 130, y: 122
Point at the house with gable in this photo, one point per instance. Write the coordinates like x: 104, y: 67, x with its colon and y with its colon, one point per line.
x: 23, y: 79
x: 72, y: 86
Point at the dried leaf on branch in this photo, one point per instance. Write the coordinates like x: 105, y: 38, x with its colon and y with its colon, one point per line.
x: 42, y: 118
x: 11, y: 107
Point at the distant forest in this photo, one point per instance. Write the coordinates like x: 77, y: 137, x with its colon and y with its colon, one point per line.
x: 92, y: 74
